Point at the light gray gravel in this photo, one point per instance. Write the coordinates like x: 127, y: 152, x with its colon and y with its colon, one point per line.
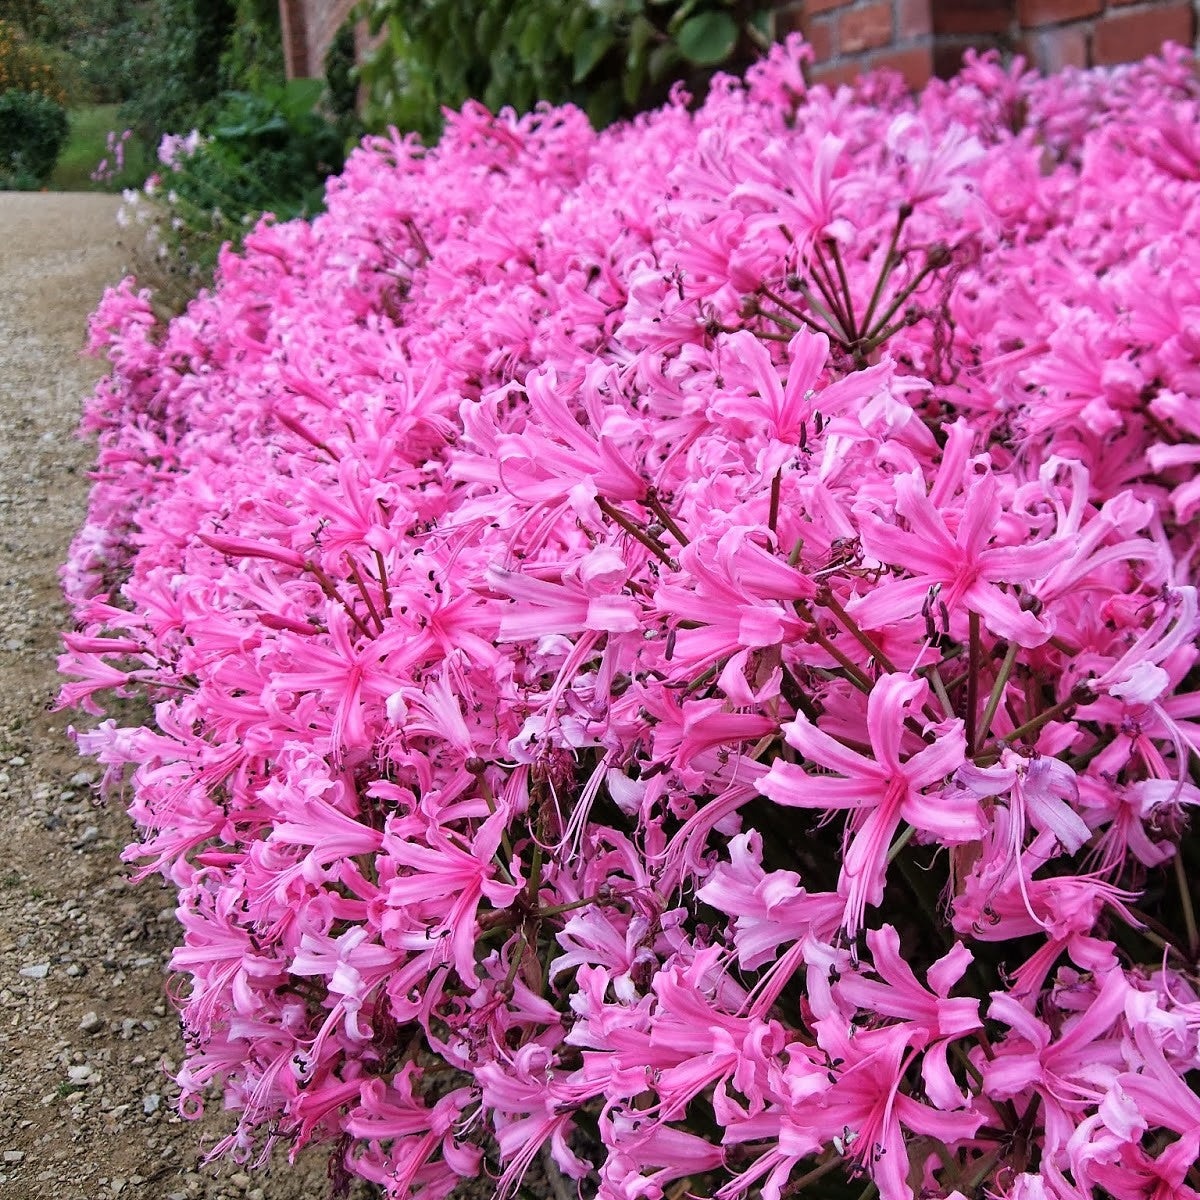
x: 86, y: 1034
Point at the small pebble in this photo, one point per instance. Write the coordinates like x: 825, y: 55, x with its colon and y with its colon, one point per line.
x: 36, y: 971
x: 91, y: 1023
x: 150, y: 1103
x: 14, y: 1156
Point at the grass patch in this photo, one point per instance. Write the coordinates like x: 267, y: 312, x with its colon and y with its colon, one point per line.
x: 86, y: 146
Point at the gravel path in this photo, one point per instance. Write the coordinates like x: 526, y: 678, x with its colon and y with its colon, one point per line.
x: 86, y: 1035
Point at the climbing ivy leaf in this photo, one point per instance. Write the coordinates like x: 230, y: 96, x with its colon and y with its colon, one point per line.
x: 707, y: 38
x: 592, y: 46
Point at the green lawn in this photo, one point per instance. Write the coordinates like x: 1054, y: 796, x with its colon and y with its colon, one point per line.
x: 86, y: 146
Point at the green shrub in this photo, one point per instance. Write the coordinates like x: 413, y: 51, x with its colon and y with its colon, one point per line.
x: 33, y: 130
x: 253, y: 56
x: 340, y: 75
x: 611, y: 57
x: 170, y: 51
x: 266, y: 152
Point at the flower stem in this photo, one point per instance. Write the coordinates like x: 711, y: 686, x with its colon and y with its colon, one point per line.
x: 1006, y: 668
x: 900, y: 843
x: 356, y: 575
x: 931, y: 265
x: 939, y: 690
x: 889, y: 264
x: 1189, y: 912
x: 964, y: 1058
x: 330, y: 590
x: 834, y: 249
x: 652, y: 544
x: 852, y: 669
x: 986, y: 1167
x: 383, y: 584
x: 790, y: 308
x: 972, y: 676
x: 833, y: 327
x: 659, y: 509
x: 830, y: 292
x: 827, y: 600
x: 1057, y: 710
x: 816, y: 1173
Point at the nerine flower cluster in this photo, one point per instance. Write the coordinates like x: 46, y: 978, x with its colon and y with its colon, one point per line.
x: 673, y: 651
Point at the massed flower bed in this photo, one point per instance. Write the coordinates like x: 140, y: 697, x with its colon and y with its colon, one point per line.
x: 673, y: 651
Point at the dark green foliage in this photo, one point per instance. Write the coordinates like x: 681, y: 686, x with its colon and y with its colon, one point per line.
x: 340, y: 81
x: 611, y: 57
x: 33, y: 130
x: 253, y: 56
x: 171, y: 58
x: 266, y: 152
x: 274, y: 149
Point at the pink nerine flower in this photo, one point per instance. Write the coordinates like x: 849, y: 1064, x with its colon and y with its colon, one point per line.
x: 880, y: 790
x: 964, y: 568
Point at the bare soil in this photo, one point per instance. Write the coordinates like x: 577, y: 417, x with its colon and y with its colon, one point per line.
x: 87, y: 1035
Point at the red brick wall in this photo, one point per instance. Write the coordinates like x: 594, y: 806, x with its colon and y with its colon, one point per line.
x: 308, y: 28
x: 850, y: 36
x: 920, y: 38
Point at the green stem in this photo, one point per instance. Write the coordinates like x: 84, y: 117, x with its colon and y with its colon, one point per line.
x: 556, y: 909
x: 705, y: 677
x: 972, y: 676
x: 1057, y: 710
x: 824, y: 281
x: 845, y: 282
x: 939, y: 690
x: 856, y: 675
x: 816, y: 1173
x: 833, y: 327
x: 485, y: 790
x: 356, y: 575
x: 864, y: 348
x: 790, y: 308
x: 1189, y: 912
x: 900, y: 843
x: 779, y: 320
x: 986, y: 1167
x: 889, y: 264
x: 327, y: 586
x: 920, y: 277
x: 968, y: 1065
x: 826, y: 599
x: 1006, y: 668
